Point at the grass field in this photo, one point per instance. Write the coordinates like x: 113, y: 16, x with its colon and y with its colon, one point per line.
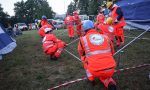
x: 28, y: 68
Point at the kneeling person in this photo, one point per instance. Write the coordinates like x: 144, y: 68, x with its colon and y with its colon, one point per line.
x: 51, y: 45
x: 96, y: 54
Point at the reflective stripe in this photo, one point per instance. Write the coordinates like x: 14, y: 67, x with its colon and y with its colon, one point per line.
x: 59, y: 50
x: 88, y: 74
x: 49, y: 42
x: 86, y: 44
x: 98, y: 52
x: 88, y: 53
x: 48, y: 46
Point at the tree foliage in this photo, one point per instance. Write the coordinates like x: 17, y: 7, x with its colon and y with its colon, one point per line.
x: 71, y: 8
x: 89, y: 7
x: 32, y: 9
x: 3, y: 16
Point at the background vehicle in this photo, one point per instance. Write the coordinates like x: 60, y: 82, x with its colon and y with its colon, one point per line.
x: 21, y: 26
x: 32, y: 26
x: 58, y: 24
x: 83, y: 17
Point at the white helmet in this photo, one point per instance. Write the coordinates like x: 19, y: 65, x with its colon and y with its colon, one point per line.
x: 47, y: 30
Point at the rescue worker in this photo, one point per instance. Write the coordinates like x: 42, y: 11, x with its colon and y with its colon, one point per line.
x: 44, y: 24
x: 78, y: 23
x: 108, y: 29
x: 99, y: 19
x: 51, y: 45
x: 69, y: 21
x: 118, y: 19
x: 96, y: 53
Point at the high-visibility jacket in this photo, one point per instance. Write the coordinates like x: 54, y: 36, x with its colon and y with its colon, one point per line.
x: 69, y: 20
x: 52, y: 44
x: 97, y: 51
x: 41, y: 30
x: 114, y: 15
x: 99, y: 20
x: 108, y: 30
x: 78, y: 25
x: 49, y: 42
x: 77, y: 19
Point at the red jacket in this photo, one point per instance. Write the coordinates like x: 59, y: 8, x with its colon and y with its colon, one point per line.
x: 108, y: 30
x: 97, y: 51
x: 77, y: 19
x: 69, y: 20
x: 41, y: 30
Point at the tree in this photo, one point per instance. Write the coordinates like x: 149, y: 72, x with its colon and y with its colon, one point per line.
x: 93, y: 7
x: 83, y: 6
x: 71, y: 8
x: 3, y: 17
x: 31, y: 9
x: 89, y: 7
x: 20, y: 11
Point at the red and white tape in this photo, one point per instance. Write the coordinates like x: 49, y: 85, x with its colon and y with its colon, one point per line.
x: 81, y: 79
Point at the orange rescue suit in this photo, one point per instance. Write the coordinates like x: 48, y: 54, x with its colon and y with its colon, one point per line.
x: 69, y: 21
x: 45, y: 25
x: 52, y: 46
x: 96, y: 51
x: 119, y: 27
x: 78, y: 25
x: 100, y: 20
x: 108, y: 30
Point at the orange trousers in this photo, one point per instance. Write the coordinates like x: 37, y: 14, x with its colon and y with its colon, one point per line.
x: 120, y: 36
x: 56, y: 50
x: 70, y: 31
x: 105, y: 76
x: 79, y: 30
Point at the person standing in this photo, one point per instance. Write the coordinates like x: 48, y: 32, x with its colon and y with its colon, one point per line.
x: 78, y: 23
x: 69, y: 21
x: 118, y: 19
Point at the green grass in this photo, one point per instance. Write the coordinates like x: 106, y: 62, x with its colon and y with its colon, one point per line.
x: 28, y: 68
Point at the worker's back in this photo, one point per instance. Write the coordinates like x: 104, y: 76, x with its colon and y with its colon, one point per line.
x: 98, y: 51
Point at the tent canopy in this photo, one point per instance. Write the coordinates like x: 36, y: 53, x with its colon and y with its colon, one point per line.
x: 135, y: 9
x: 6, y: 42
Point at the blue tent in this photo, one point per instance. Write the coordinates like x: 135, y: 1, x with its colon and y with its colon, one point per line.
x: 136, y: 11
x: 7, y: 44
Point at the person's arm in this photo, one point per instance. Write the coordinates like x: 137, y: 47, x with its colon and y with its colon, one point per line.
x: 112, y: 47
x: 120, y: 13
x: 81, y: 51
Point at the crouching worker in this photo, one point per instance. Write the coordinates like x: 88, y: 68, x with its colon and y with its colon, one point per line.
x: 51, y: 45
x: 96, y: 54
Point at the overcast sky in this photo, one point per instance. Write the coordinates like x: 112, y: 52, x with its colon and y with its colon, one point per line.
x: 58, y: 6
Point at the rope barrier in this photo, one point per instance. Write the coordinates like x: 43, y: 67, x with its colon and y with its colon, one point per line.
x: 72, y: 55
x: 131, y: 42
x: 84, y: 78
x: 67, y: 83
x: 72, y: 41
x: 81, y: 79
x: 138, y: 38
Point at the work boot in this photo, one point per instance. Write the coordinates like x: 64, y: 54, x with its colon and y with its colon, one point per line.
x: 53, y: 58
x: 90, y: 85
x: 112, y: 86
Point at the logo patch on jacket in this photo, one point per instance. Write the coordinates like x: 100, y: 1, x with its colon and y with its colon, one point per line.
x: 96, y: 39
